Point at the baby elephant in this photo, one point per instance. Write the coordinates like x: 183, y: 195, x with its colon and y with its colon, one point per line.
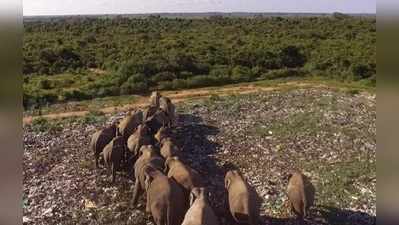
x: 300, y: 193
x: 243, y: 200
x: 184, y: 175
x: 163, y: 198
x: 101, y: 138
x: 200, y: 212
x: 169, y: 148
x: 149, y: 157
x: 113, y: 154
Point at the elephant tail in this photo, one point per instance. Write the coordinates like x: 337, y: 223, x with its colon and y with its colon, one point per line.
x: 169, y: 219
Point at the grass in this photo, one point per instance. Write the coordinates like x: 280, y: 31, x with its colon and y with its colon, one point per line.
x: 347, y: 86
x: 43, y: 125
x: 53, y: 126
x: 94, y: 104
x: 338, y: 182
x: 304, y: 123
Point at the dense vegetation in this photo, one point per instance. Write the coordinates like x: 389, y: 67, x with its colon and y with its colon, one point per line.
x: 135, y: 55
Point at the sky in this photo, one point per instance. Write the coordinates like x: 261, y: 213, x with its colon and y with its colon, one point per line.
x: 68, y: 7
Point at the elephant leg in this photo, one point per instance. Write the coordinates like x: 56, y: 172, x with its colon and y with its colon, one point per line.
x: 136, y: 192
x: 148, y: 204
x: 113, y: 169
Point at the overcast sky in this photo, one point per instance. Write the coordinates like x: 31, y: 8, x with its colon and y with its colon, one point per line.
x: 63, y: 7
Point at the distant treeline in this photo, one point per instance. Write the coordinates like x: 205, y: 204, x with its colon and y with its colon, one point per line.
x: 140, y: 54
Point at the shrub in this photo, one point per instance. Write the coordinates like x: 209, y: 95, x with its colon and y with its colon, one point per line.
x: 173, y: 85
x: 282, y: 73
x: 256, y: 71
x: 45, y: 84
x: 135, y: 84
x: 220, y: 71
x: 165, y: 85
x: 292, y: 57
x: 179, y: 84
x: 134, y: 88
x: 106, y: 91
x: 361, y: 71
x: 125, y: 71
x: 138, y: 77
x: 185, y: 75
x: 163, y: 76
x: 200, y: 81
x: 75, y: 95
x: 241, y: 74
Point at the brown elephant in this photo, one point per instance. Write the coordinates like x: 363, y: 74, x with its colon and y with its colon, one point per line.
x: 139, y: 138
x: 243, y: 200
x: 156, y: 121
x: 184, y: 175
x: 101, y: 138
x: 166, y: 105
x: 162, y: 133
x: 169, y: 148
x: 149, y: 157
x: 113, y: 155
x: 200, y: 212
x: 129, y: 124
x: 154, y: 98
x: 300, y: 193
x: 163, y: 198
x: 149, y: 111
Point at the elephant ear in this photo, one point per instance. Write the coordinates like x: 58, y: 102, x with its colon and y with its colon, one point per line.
x: 167, y: 161
x: 149, y: 173
x: 227, y: 183
x: 166, y: 164
x: 147, y: 182
x: 193, y: 194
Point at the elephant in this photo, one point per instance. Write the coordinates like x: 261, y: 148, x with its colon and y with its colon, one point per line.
x: 300, y: 193
x: 184, y: 175
x: 156, y: 121
x: 162, y: 133
x: 113, y: 155
x: 149, y: 157
x: 163, y: 198
x: 129, y: 124
x: 200, y: 212
x: 244, y: 202
x: 154, y: 98
x: 101, y: 138
x: 139, y: 138
x: 149, y: 111
x: 166, y: 105
x: 169, y: 148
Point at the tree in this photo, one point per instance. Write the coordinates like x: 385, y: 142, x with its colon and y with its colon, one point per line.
x: 292, y: 57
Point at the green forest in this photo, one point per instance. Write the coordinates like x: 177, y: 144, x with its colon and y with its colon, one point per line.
x: 72, y: 59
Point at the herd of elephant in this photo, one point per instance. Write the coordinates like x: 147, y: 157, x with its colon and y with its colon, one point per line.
x: 142, y: 144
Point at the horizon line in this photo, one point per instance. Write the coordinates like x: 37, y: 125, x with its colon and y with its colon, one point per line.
x: 199, y: 12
